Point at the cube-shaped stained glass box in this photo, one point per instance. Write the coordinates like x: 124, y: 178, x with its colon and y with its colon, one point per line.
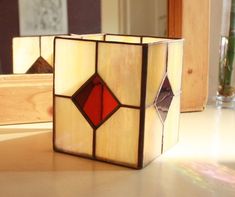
x: 32, y: 54
x: 117, y: 97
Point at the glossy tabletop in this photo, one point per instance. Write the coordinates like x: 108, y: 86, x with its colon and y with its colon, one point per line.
x: 201, y: 164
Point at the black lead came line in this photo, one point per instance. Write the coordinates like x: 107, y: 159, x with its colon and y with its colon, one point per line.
x: 142, y: 105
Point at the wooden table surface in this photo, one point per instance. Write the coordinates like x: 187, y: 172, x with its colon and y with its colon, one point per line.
x: 201, y: 164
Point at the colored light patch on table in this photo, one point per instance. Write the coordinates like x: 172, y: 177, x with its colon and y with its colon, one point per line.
x: 201, y: 173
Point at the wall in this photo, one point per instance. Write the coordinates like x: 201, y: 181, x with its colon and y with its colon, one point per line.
x: 110, y: 16
x: 83, y: 16
x: 9, y: 27
x: 134, y: 17
x: 216, y: 13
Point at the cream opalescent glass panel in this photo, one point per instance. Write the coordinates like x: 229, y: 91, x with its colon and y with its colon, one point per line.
x: 93, y: 36
x: 171, y: 125
x: 74, y: 64
x: 175, y: 58
x: 152, y: 39
x: 89, y: 36
x: 152, y: 135
x: 117, y: 139
x: 117, y: 38
x: 71, y: 36
x: 120, y: 67
x: 72, y: 132
x: 26, y: 50
x: 156, y: 70
x: 47, y: 48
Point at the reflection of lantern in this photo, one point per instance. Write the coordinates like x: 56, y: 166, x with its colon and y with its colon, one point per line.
x: 117, y: 97
x: 33, y: 54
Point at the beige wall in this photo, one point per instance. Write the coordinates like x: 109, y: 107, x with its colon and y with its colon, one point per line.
x: 146, y: 17
x: 216, y: 11
x: 110, y: 16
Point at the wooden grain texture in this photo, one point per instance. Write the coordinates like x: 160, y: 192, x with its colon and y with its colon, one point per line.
x: 175, y: 18
x: 25, y: 98
x: 119, y: 65
x: 117, y: 139
x: 195, y: 30
x: 73, y: 132
x: 191, y: 20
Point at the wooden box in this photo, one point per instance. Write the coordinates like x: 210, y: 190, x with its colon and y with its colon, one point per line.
x: 117, y: 97
x: 191, y: 20
x: 25, y: 98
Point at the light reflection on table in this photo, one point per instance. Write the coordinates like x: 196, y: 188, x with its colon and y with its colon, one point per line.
x: 201, y: 164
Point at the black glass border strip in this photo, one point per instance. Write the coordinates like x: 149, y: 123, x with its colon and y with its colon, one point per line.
x: 62, y: 96
x: 53, y: 100
x: 167, y: 57
x: 142, y: 105
x: 40, y: 46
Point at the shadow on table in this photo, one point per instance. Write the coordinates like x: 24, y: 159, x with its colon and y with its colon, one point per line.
x: 35, y: 153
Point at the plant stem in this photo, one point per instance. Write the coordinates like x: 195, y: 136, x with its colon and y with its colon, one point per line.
x: 227, y: 64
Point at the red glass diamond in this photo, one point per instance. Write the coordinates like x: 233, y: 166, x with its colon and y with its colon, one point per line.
x: 95, y: 100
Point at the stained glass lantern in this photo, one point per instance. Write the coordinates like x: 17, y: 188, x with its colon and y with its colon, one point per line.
x: 33, y: 54
x: 117, y: 97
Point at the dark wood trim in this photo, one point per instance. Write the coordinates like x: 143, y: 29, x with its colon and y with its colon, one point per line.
x: 175, y: 18
x: 142, y: 105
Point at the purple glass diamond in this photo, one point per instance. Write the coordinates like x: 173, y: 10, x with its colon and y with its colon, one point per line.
x: 164, y: 98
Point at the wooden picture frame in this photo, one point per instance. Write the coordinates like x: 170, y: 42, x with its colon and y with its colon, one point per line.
x: 191, y: 20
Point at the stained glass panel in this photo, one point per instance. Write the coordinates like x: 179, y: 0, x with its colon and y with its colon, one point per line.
x: 40, y: 66
x: 95, y: 100
x: 164, y: 98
